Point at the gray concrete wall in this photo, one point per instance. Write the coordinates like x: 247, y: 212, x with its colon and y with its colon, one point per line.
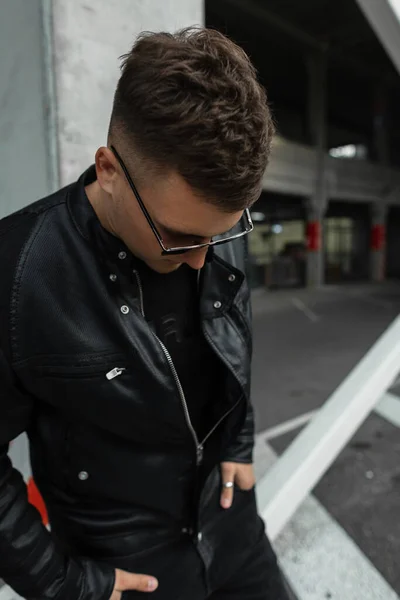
x: 23, y: 166
x: 88, y: 38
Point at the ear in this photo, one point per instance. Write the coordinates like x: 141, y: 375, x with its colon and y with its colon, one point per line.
x: 106, y: 169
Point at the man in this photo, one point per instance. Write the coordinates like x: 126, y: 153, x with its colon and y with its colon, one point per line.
x: 126, y: 346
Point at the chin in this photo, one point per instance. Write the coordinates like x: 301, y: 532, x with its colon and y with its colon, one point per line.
x: 164, y: 266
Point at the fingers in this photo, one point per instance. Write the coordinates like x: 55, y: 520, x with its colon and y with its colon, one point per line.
x: 228, y: 478
x: 134, y: 581
x: 245, y: 477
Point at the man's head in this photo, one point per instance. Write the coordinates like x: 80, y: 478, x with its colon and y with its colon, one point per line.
x: 192, y: 125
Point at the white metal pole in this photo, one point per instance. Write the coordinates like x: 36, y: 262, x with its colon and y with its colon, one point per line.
x: 294, y: 475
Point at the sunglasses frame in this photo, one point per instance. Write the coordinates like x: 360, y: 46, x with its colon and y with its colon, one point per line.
x: 248, y: 223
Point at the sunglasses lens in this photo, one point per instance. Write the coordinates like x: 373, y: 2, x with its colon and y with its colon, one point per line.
x: 246, y: 226
x: 174, y: 251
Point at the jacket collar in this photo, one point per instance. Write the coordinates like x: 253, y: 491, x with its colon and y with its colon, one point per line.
x: 220, y: 280
x: 109, y: 247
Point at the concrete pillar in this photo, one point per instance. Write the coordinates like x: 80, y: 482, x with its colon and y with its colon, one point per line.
x: 379, y: 212
x: 380, y: 125
x: 22, y: 116
x: 317, y: 203
x: 315, y: 250
x: 84, y: 40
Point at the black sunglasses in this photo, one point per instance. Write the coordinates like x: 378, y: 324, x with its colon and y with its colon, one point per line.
x: 246, y: 221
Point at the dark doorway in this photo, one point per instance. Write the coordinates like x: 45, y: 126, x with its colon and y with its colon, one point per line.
x: 277, y: 244
x: 346, y: 242
x: 393, y: 243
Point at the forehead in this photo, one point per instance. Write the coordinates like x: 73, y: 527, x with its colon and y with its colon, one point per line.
x: 177, y: 207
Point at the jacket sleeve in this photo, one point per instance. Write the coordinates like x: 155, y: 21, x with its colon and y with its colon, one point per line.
x: 29, y: 561
x: 241, y: 450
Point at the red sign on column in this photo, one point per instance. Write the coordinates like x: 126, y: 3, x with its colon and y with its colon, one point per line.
x: 313, y: 236
x: 378, y: 236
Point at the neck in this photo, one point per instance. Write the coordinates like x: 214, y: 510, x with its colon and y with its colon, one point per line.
x: 100, y: 200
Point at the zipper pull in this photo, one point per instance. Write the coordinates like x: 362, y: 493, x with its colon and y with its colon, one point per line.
x: 115, y: 372
x: 199, y: 455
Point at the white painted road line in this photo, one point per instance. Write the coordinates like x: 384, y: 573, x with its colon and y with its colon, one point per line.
x: 310, y: 314
x: 317, y: 556
x: 389, y: 408
x: 321, y: 561
x: 7, y: 593
x: 288, y: 426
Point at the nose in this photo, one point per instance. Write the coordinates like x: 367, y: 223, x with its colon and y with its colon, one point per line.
x: 195, y: 258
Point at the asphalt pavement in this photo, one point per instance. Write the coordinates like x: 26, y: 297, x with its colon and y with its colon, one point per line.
x: 305, y: 343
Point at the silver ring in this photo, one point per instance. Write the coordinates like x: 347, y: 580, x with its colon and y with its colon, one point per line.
x: 228, y: 484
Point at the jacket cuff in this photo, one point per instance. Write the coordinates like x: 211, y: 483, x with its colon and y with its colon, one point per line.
x: 241, y: 449
x: 86, y: 580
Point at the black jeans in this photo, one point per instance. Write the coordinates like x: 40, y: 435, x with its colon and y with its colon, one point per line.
x: 183, y: 576
x: 259, y: 578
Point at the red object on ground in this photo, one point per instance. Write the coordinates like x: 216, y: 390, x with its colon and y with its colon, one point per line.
x: 35, y: 498
x: 313, y: 236
x: 377, y: 237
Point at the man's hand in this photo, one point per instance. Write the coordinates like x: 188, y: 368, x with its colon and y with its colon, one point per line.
x: 242, y: 475
x: 132, y: 581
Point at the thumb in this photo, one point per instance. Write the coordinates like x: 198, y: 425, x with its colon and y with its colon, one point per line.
x: 134, y: 581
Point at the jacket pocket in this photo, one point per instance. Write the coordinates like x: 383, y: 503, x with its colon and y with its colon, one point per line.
x: 109, y: 371
x: 103, y: 394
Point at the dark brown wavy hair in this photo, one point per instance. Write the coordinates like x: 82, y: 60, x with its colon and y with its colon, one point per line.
x: 190, y: 102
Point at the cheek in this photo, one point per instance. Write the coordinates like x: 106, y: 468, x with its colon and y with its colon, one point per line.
x: 137, y: 233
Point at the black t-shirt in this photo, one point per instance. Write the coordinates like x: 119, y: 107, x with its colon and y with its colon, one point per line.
x: 171, y: 308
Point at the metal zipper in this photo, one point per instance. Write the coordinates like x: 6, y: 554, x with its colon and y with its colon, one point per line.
x: 71, y: 373
x: 115, y: 372
x: 199, y: 447
x: 220, y: 421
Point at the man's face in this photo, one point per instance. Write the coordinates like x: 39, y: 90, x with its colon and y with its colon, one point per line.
x: 180, y: 216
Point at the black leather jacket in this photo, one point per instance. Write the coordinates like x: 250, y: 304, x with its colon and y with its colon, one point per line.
x: 112, y: 449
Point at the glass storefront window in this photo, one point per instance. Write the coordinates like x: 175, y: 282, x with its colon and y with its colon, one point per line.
x: 338, y: 244
x: 275, y: 251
